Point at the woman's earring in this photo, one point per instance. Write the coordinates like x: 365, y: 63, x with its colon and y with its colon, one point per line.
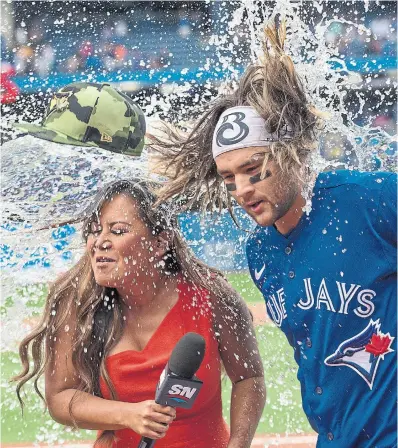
x: 161, y: 264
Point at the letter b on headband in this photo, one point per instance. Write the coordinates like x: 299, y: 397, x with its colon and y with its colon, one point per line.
x: 242, y: 127
x: 232, y: 130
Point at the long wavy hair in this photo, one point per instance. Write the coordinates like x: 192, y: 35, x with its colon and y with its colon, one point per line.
x: 275, y: 90
x: 99, y: 323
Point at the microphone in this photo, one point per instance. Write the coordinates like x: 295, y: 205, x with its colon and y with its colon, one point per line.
x: 178, y: 386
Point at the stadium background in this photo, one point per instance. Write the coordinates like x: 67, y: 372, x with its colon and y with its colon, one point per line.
x: 145, y: 48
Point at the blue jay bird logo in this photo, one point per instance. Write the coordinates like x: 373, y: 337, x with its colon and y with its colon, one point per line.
x: 363, y: 352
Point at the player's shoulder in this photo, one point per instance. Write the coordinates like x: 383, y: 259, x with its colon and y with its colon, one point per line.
x: 255, y: 235
x: 352, y: 180
x: 257, y: 238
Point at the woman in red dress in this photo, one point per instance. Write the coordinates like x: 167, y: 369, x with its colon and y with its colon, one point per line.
x: 111, y: 323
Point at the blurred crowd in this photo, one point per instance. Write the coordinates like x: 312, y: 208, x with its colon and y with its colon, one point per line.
x: 115, y: 47
x: 379, y: 40
x: 118, y: 46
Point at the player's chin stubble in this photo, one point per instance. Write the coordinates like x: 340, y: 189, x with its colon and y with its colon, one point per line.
x: 286, y: 195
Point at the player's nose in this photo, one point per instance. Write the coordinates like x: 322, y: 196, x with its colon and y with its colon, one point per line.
x: 244, y: 189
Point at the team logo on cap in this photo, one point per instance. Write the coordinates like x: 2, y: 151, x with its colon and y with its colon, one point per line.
x: 59, y: 101
x: 232, y: 129
x: 106, y: 138
x: 363, y: 352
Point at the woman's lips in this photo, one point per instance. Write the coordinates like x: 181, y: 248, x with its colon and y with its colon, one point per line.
x: 104, y: 260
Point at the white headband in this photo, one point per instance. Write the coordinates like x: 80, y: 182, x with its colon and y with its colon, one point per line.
x: 242, y: 127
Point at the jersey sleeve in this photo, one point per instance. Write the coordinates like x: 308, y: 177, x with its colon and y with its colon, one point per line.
x: 386, y: 222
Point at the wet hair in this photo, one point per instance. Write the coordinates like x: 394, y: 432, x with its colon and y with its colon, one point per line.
x: 273, y: 88
x: 96, y: 311
x: 157, y: 220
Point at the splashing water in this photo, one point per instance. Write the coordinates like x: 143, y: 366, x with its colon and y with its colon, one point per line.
x: 325, y: 75
x: 45, y: 182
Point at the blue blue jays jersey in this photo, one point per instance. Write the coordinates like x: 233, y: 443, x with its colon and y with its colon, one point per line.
x: 330, y: 286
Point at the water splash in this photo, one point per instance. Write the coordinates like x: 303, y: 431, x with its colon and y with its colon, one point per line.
x: 45, y: 182
x: 325, y: 74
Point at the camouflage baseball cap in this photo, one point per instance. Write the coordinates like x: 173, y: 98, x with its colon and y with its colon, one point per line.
x: 90, y: 114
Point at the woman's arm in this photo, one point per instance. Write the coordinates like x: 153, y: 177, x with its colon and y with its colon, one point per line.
x: 89, y: 411
x: 240, y: 355
x: 247, y: 404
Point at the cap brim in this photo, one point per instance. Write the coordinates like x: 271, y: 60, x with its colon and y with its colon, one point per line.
x: 48, y: 134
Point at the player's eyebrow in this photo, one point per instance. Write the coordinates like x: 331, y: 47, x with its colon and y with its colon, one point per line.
x: 253, y: 159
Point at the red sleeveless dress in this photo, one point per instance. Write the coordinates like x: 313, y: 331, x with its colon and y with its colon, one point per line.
x: 135, y: 375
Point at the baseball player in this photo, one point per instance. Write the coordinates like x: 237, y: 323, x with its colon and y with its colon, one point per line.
x: 327, y: 272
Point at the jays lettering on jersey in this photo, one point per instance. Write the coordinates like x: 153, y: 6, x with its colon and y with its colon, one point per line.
x: 330, y: 285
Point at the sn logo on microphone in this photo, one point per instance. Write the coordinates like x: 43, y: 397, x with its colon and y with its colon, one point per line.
x: 181, y: 394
